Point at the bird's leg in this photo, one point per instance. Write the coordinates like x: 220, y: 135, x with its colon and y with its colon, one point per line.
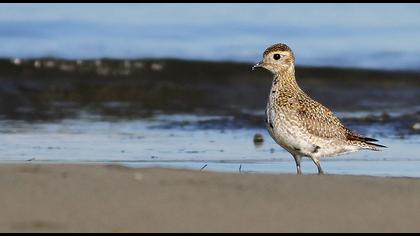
x: 297, y: 160
x: 318, y: 165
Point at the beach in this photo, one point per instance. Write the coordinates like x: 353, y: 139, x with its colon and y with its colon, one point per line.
x: 70, y: 130
x: 113, y: 198
x: 154, y: 118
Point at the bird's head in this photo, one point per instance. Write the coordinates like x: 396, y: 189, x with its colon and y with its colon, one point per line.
x: 277, y: 58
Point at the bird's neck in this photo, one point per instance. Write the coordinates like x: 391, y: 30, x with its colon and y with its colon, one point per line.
x: 285, y: 79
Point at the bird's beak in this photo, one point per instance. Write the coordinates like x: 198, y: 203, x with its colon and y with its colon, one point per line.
x: 259, y: 64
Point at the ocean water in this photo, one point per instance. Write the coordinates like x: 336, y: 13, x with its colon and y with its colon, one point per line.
x: 382, y: 36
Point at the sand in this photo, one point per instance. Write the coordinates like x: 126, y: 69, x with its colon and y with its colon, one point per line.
x: 95, y: 198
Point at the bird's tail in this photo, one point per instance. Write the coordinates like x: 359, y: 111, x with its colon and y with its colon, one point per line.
x: 373, y: 146
x: 365, y: 142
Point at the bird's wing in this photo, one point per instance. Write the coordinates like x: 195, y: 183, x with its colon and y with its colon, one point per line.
x: 319, y: 120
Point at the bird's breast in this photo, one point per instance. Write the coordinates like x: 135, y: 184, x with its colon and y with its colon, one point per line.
x: 285, y: 128
x: 281, y: 128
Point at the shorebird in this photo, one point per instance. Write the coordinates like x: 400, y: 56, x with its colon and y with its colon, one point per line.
x: 299, y: 124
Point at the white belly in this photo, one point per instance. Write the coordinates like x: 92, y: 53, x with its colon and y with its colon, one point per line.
x: 285, y: 132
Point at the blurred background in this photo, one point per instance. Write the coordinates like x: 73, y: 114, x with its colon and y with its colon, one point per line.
x: 382, y: 36
x: 171, y: 84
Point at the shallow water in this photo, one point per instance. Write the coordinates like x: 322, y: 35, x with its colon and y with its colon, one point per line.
x: 148, y: 142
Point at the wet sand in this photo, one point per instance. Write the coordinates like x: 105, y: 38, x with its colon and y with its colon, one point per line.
x: 94, y: 198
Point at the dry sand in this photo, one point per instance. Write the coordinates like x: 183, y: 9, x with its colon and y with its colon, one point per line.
x: 90, y: 198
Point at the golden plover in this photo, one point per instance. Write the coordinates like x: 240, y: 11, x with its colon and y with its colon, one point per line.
x: 302, y: 126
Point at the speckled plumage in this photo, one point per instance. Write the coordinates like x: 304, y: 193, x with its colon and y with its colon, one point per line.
x: 299, y: 124
x: 277, y: 47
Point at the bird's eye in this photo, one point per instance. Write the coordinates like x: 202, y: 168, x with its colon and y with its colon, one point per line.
x: 276, y: 56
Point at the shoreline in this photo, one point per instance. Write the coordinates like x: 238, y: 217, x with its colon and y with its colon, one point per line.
x: 113, y: 198
x: 240, y: 167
